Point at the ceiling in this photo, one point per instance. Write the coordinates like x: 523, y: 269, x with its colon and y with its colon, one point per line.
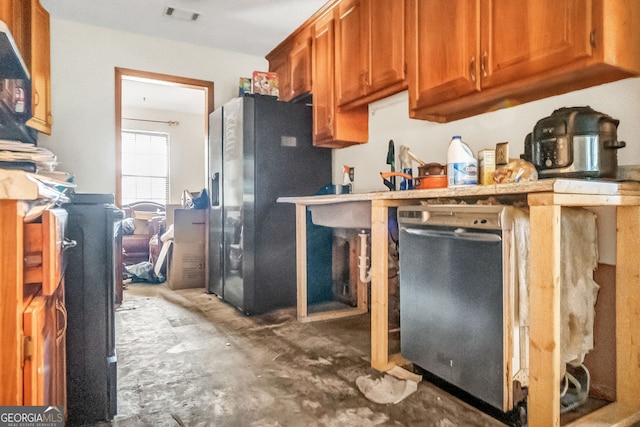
x: 253, y: 27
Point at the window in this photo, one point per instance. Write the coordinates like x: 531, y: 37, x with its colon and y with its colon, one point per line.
x: 145, y: 167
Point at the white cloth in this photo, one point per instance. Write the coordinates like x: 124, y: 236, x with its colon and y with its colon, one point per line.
x: 387, y: 389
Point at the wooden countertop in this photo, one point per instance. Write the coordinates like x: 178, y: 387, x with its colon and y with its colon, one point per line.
x: 558, y: 186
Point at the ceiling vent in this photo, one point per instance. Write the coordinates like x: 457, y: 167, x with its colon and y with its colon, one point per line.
x: 185, y: 15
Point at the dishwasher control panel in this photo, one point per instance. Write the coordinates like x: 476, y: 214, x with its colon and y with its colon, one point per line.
x: 492, y: 217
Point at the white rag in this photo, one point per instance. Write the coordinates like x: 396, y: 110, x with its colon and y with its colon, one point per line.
x: 387, y: 389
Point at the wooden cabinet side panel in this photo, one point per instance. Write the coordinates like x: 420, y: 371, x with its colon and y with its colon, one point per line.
x: 51, y: 254
x: 11, y: 294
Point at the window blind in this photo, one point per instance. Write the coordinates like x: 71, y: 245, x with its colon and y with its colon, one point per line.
x: 145, y: 166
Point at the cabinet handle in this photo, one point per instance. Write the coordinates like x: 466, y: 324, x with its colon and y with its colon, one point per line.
x: 68, y: 243
x: 483, y: 64
x: 472, y: 68
x: 592, y: 38
x: 61, y: 331
x: 36, y: 98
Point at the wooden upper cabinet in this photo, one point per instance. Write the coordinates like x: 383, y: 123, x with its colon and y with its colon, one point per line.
x: 386, y: 32
x: 467, y: 57
x: 323, y: 79
x: 40, y: 66
x: 370, y: 60
x: 331, y: 128
x: 442, y: 50
x: 300, y: 65
x: 351, y: 51
x: 279, y: 63
x: 28, y: 22
x: 292, y: 61
x: 529, y: 37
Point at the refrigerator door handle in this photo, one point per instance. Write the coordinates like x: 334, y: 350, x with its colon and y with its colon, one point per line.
x: 215, y: 189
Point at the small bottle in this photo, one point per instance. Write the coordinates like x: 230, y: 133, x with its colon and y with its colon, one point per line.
x: 462, y: 166
x: 346, y: 180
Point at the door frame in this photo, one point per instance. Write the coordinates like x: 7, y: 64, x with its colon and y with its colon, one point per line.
x: 157, y: 78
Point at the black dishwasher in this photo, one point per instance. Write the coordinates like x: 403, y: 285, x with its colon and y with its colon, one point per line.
x: 454, y: 282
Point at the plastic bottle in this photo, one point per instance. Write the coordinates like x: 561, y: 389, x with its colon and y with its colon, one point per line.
x: 462, y: 166
x: 347, y: 185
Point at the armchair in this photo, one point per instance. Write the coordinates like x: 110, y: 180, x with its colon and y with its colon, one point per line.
x: 148, y: 220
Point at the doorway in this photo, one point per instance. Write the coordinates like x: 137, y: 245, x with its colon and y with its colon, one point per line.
x: 153, y: 103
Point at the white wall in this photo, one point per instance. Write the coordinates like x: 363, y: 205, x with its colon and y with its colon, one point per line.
x: 389, y: 119
x: 83, y: 59
x: 186, y: 146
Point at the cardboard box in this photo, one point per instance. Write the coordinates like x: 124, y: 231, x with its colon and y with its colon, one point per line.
x: 265, y: 83
x: 187, y: 259
x: 487, y: 166
x: 170, y: 210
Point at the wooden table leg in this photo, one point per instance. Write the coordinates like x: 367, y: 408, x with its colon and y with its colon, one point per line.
x: 379, y: 286
x: 301, y: 260
x: 628, y: 307
x: 544, y: 317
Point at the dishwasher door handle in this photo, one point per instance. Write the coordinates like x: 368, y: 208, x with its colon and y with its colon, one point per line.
x: 459, y: 233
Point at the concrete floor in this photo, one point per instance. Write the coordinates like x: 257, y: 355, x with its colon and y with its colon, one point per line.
x: 186, y: 358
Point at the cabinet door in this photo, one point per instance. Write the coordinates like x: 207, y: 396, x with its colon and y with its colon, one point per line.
x: 526, y: 37
x: 443, y: 51
x: 34, y: 353
x: 352, y: 48
x: 323, y: 80
x: 300, y: 66
x: 279, y: 63
x: 12, y: 13
x: 57, y: 312
x: 39, y: 66
x: 385, y: 27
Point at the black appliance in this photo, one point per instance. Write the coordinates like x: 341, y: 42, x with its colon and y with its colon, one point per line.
x: 454, y: 296
x: 15, y: 92
x: 574, y: 142
x: 94, y: 223
x: 259, y: 149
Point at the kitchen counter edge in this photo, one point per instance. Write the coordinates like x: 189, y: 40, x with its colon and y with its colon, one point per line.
x: 559, y: 186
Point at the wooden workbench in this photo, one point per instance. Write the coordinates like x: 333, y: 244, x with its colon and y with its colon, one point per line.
x: 545, y: 199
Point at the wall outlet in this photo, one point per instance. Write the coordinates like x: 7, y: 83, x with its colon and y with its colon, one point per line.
x: 351, y: 174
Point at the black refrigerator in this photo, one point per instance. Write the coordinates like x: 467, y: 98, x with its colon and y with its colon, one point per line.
x: 259, y: 149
